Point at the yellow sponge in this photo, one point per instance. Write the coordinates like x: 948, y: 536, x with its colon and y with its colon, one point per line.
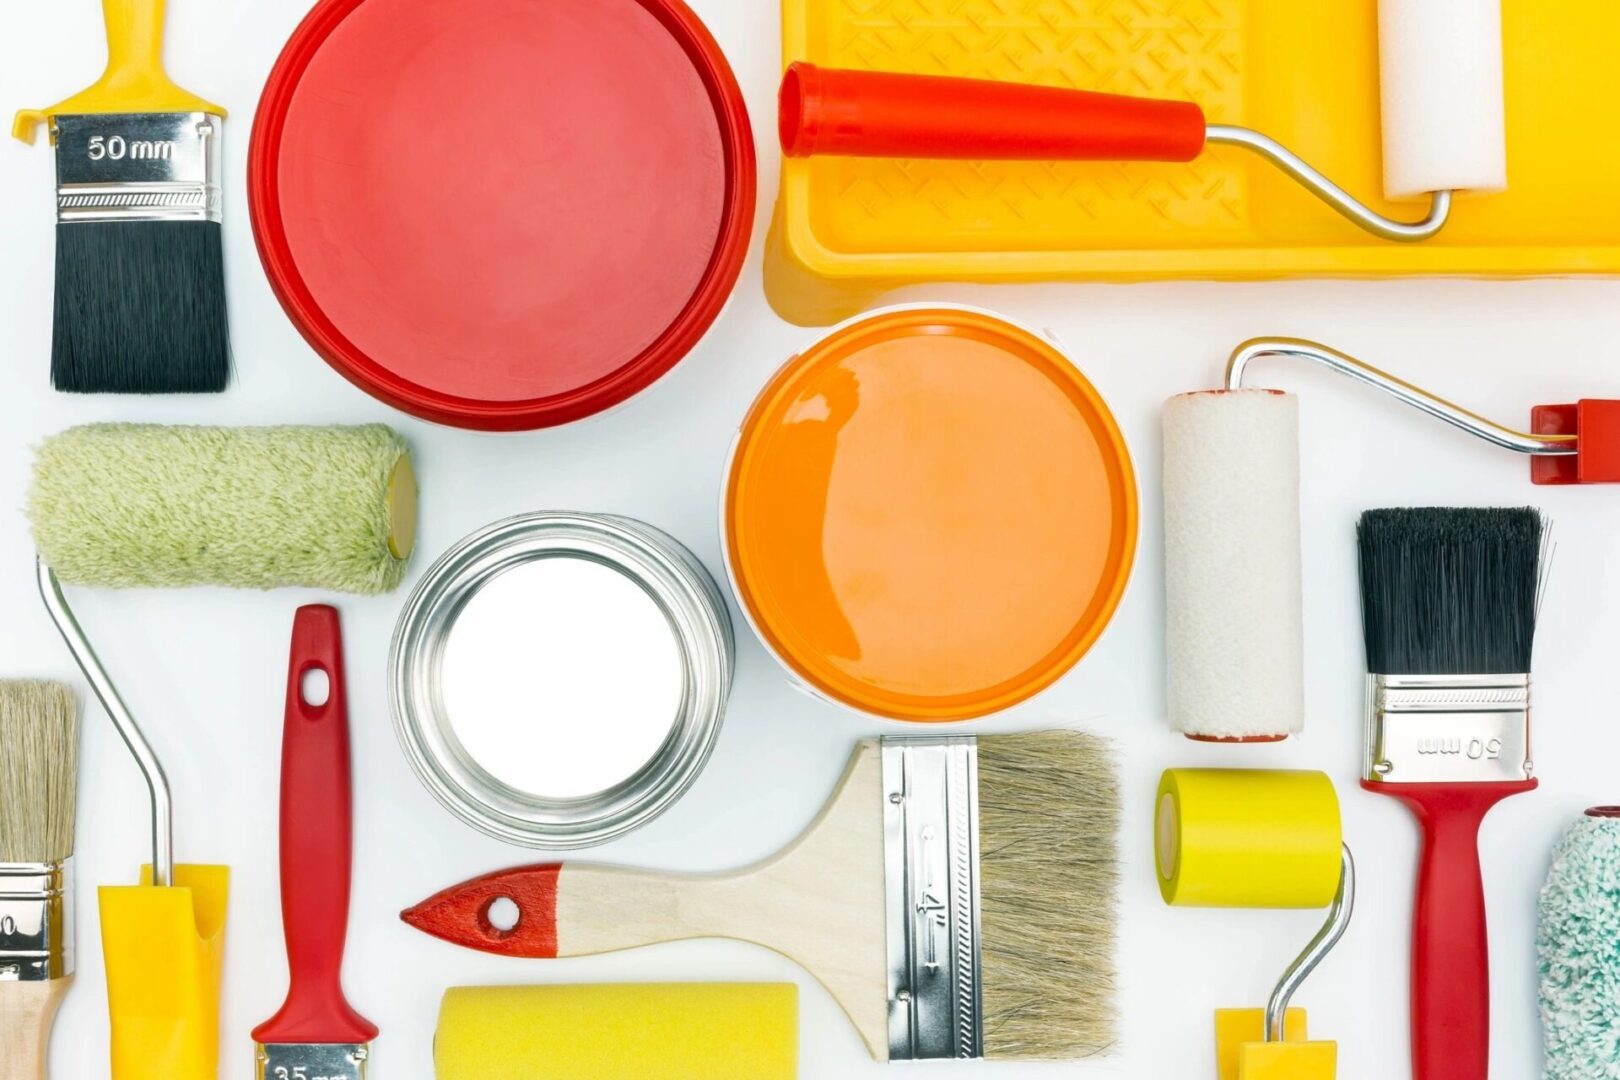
x: 682, y: 1031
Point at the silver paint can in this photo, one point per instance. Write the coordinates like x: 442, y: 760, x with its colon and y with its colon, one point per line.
x: 558, y: 679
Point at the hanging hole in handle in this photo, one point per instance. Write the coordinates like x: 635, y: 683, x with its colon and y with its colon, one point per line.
x: 315, y: 687
x: 500, y: 916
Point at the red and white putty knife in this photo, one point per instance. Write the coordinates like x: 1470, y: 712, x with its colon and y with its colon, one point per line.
x: 316, y: 1034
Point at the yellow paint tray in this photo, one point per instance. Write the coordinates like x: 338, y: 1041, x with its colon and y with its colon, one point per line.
x: 1303, y: 71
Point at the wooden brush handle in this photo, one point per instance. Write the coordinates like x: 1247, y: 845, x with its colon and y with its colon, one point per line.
x: 579, y: 910
x: 820, y: 903
x: 26, y: 1012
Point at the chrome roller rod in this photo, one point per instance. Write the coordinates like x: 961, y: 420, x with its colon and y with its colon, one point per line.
x: 1338, y: 921
x: 1329, y: 192
x: 157, y: 782
x: 1415, y: 396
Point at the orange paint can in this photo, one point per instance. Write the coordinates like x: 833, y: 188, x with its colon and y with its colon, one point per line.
x: 930, y: 515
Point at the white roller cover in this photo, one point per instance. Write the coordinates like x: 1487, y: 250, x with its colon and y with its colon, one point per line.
x: 1234, y: 618
x: 1442, y: 94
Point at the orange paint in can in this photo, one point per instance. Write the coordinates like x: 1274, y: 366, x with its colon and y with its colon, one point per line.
x: 931, y: 515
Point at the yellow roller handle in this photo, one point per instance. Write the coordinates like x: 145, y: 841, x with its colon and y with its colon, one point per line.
x: 163, y: 948
x: 134, y: 81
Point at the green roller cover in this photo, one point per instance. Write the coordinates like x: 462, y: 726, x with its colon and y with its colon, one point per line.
x: 140, y: 505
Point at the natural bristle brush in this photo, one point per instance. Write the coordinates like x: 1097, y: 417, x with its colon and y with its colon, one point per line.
x: 956, y: 896
x: 1449, y: 600
x: 39, y: 752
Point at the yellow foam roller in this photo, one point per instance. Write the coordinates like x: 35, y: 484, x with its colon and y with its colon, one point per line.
x: 692, y: 1031
x: 1246, y: 838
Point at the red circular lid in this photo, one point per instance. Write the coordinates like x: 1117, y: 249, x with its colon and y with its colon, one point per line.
x: 502, y: 215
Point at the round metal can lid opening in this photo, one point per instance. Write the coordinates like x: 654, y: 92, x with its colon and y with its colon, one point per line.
x: 930, y: 514
x: 502, y: 216
x: 558, y: 679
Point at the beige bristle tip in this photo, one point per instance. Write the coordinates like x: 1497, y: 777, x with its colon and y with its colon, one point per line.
x: 39, y: 754
x: 1049, y: 808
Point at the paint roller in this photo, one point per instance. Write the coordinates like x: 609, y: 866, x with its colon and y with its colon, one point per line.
x: 1443, y: 117
x: 673, y: 1031
x: 123, y: 505
x: 1234, y: 838
x: 1233, y: 595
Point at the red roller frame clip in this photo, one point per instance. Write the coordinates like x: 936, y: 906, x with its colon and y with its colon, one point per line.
x: 1595, y: 423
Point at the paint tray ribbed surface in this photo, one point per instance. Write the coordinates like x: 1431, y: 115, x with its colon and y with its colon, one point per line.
x: 849, y: 229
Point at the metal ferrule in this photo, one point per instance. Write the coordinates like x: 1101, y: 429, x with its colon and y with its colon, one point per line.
x: 36, y: 921
x: 312, y: 1061
x: 931, y: 868
x: 1438, y: 729
x: 137, y: 167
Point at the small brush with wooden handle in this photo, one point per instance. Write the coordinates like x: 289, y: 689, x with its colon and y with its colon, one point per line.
x: 39, y: 751
x: 956, y: 896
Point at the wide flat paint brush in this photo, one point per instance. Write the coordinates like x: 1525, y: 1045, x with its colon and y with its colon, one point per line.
x: 956, y: 896
x: 140, y: 285
x: 39, y: 753
x: 1449, y: 600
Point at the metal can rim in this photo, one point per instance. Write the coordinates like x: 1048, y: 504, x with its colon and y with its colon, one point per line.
x: 671, y: 575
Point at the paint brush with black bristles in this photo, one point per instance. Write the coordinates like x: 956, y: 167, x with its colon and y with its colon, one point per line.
x: 1449, y: 602
x: 39, y: 746
x: 956, y: 896
x: 140, y: 285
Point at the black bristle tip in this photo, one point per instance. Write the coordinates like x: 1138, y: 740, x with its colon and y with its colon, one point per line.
x: 140, y: 308
x: 1450, y: 591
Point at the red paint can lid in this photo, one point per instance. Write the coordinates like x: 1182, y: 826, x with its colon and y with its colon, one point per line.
x: 505, y: 215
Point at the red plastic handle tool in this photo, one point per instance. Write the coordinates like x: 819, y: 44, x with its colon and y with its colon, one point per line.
x: 878, y: 114
x: 1451, y: 991
x: 316, y: 811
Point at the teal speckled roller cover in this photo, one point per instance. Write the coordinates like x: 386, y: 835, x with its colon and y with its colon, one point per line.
x: 1578, y: 951
x: 130, y: 506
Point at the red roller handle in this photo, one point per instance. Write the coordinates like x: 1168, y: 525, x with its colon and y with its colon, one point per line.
x: 1451, y: 992
x: 316, y: 810
x: 877, y: 114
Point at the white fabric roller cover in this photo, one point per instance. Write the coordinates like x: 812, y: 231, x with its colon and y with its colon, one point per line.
x: 1234, y: 618
x: 1441, y: 62
x: 1575, y: 950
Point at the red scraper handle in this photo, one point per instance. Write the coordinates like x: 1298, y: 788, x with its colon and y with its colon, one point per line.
x: 316, y: 810
x: 1451, y: 991
x: 878, y: 114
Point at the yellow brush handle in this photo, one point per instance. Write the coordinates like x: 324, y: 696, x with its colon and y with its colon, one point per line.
x: 26, y: 1012
x: 134, y: 81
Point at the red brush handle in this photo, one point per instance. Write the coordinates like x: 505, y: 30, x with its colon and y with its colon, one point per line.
x: 316, y: 810
x: 1451, y: 993
x: 878, y: 114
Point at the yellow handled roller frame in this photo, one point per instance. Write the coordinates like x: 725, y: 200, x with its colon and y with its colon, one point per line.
x: 164, y: 946
x: 134, y: 81
x: 1240, y: 838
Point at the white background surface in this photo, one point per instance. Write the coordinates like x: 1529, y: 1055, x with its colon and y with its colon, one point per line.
x: 204, y: 669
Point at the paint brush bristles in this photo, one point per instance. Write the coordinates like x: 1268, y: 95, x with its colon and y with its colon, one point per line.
x: 1450, y: 591
x: 140, y: 308
x: 39, y: 749
x: 1048, y: 824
